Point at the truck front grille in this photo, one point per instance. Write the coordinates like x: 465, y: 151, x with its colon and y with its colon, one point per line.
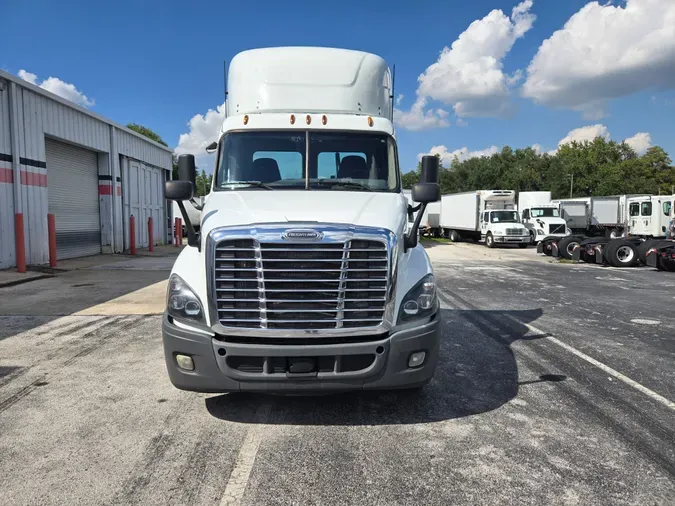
x: 556, y: 229
x: 513, y: 231
x: 301, y: 286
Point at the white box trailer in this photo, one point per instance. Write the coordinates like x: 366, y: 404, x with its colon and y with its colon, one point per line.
x: 488, y: 215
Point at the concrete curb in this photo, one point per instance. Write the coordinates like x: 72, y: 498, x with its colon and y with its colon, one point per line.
x: 14, y: 282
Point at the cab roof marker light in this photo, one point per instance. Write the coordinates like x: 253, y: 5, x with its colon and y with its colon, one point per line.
x: 308, y: 119
x: 245, y: 119
x: 292, y: 119
x: 324, y: 119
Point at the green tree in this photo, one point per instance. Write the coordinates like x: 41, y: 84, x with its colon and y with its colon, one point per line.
x: 147, y: 132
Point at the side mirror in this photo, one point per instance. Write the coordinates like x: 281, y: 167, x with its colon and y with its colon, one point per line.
x: 178, y: 190
x: 526, y: 214
x: 211, y: 147
x: 426, y: 191
x: 187, y: 170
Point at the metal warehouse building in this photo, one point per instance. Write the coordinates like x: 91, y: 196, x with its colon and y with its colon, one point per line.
x: 90, y: 173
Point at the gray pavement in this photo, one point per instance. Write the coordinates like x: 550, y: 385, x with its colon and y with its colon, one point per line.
x: 552, y: 388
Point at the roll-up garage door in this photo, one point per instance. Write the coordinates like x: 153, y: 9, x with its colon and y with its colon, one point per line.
x: 72, y: 183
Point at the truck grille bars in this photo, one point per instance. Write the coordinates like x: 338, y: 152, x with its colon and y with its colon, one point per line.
x: 300, y: 286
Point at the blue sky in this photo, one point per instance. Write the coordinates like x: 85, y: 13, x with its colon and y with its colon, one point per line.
x: 159, y: 63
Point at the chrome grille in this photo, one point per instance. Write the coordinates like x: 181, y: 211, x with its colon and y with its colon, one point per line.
x: 301, y: 286
x: 513, y: 231
x: 556, y: 229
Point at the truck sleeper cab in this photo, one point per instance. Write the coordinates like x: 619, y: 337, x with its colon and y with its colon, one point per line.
x: 306, y: 274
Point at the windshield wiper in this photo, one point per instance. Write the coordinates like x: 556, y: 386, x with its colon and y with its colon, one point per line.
x: 350, y: 184
x: 249, y: 183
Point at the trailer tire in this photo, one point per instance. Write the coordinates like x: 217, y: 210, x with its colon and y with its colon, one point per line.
x: 489, y: 240
x: 621, y: 253
x: 454, y: 236
x: 533, y: 237
x: 567, y: 244
x: 615, y: 233
x: 649, y: 244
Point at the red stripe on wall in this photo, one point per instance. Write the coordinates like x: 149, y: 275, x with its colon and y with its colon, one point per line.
x: 6, y: 175
x: 104, y: 189
x: 119, y: 191
x: 33, y: 178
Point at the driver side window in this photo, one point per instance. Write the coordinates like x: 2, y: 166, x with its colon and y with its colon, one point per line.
x: 667, y: 207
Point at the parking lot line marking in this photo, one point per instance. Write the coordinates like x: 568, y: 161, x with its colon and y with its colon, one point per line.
x: 236, y: 484
x: 612, y: 372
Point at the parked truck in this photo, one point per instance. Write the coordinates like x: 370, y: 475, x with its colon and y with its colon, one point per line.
x: 486, y: 215
x: 541, y: 216
x: 305, y: 275
x: 632, y: 224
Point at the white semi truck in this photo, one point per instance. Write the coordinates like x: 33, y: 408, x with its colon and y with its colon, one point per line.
x: 305, y: 275
x: 541, y: 216
x: 486, y: 215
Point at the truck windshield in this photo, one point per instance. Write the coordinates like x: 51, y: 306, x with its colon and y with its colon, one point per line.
x: 504, y: 217
x: 544, y: 212
x: 336, y: 161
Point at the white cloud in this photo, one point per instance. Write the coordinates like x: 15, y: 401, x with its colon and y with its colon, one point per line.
x: 462, y: 153
x: 419, y: 119
x: 58, y: 87
x: 399, y: 98
x: 469, y: 75
x: 586, y: 133
x: 640, y: 142
x: 604, y: 52
x: 203, y: 130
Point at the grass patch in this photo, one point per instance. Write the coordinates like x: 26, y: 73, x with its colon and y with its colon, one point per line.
x: 566, y: 261
x: 437, y: 240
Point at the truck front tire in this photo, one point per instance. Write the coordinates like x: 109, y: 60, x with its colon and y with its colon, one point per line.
x: 489, y: 240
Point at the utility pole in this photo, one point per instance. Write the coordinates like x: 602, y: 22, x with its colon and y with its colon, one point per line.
x: 571, y: 176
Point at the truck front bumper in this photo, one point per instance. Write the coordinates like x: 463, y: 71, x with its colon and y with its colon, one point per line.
x: 512, y: 239
x: 225, y: 366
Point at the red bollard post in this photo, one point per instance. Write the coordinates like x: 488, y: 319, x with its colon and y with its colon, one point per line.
x: 20, y: 244
x: 132, y: 234
x: 151, y: 246
x: 175, y: 232
x: 51, y: 230
x: 180, y: 232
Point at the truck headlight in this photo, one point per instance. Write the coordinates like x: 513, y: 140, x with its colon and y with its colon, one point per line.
x: 420, y: 301
x: 181, y: 301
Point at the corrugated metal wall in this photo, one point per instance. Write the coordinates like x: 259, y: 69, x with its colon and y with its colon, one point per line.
x: 37, y: 114
x: 6, y: 186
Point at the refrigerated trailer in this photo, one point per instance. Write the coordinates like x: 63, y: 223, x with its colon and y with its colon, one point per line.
x: 487, y: 215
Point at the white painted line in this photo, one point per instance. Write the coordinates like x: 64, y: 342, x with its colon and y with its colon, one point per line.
x: 236, y: 484
x: 616, y: 374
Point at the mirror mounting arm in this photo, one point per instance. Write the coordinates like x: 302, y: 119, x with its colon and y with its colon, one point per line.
x: 194, y: 239
x: 410, y: 239
x: 196, y: 204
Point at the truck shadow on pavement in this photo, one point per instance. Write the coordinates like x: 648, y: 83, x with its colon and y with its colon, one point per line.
x: 476, y: 373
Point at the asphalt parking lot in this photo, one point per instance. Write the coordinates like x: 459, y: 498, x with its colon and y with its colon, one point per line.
x: 556, y: 385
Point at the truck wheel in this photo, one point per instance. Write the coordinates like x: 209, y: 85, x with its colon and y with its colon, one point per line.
x: 533, y: 237
x: 621, y: 253
x: 644, y: 248
x: 615, y: 233
x: 489, y: 240
x: 566, y: 246
x: 454, y: 236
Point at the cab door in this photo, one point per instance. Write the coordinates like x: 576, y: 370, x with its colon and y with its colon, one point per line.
x: 484, y: 221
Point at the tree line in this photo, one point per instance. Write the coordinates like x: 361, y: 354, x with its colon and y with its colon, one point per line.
x: 597, y: 167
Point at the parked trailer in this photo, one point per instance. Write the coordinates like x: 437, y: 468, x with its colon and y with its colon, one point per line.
x: 488, y: 215
x: 429, y: 223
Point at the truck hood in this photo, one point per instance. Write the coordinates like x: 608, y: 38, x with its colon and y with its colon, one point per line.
x: 549, y: 221
x: 250, y: 207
